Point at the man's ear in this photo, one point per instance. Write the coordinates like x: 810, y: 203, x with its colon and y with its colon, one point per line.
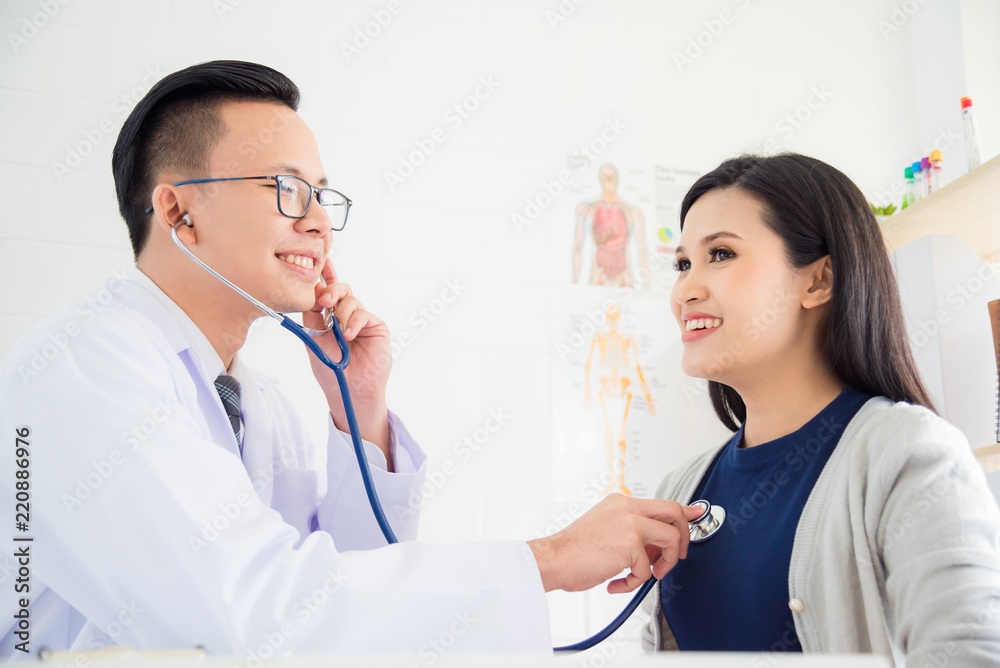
x: 819, y: 278
x: 169, y: 212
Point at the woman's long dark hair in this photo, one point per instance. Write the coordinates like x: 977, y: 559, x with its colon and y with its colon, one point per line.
x: 818, y: 211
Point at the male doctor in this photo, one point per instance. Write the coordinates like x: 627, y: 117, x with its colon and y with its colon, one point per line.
x: 174, y: 497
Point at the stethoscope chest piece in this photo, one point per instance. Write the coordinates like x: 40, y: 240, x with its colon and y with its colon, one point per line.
x: 705, y: 526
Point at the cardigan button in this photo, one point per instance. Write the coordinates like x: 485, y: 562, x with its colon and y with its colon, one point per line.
x: 796, y: 605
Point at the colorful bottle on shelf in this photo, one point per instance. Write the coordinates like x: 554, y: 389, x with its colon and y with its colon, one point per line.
x: 909, y: 196
x: 972, y: 148
x: 925, y: 168
x: 934, y: 181
x: 918, y: 180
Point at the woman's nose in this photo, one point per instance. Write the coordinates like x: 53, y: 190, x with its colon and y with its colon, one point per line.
x: 689, y: 287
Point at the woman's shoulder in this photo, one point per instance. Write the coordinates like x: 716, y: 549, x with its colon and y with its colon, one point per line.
x: 899, y: 420
x: 891, y: 435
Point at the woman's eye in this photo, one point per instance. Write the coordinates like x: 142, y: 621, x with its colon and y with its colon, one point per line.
x: 717, y: 255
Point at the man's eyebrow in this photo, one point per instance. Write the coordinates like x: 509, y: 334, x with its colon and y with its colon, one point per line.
x: 712, y: 237
x: 288, y: 168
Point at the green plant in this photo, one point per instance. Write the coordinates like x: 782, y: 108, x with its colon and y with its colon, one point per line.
x: 883, y: 210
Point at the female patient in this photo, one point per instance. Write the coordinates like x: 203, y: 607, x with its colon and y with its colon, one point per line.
x: 858, y: 520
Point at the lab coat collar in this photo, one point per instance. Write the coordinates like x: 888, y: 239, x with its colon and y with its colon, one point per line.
x: 182, y: 334
x: 180, y: 330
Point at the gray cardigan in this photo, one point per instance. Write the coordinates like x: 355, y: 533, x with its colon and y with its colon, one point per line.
x: 897, y: 551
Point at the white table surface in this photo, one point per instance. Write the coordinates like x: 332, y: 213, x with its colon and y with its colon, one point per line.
x: 119, y: 657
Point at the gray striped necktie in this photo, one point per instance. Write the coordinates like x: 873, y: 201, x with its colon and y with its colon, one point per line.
x: 229, y: 392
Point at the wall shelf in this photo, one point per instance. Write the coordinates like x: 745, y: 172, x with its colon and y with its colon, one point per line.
x: 968, y: 207
x: 989, y: 456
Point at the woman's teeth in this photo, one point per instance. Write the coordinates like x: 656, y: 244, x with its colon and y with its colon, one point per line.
x: 300, y: 260
x: 703, y: 323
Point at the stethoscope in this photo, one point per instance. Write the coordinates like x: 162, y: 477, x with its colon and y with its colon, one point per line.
x: 306, y: 335
x: 701, y: 528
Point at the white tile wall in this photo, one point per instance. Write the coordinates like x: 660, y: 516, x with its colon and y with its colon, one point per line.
x: 451, y: 219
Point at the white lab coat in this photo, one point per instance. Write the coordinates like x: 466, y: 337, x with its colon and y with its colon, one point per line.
x: 149, y: 530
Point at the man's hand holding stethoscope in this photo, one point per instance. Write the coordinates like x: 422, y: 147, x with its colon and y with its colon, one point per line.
x: 367, y: 375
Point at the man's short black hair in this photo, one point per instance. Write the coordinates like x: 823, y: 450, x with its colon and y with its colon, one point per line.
x: 176, y: 125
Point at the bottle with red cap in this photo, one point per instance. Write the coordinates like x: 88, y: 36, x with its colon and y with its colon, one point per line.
x: 972, y: 148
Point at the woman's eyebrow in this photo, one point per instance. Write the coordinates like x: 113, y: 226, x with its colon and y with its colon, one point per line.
x: 712, y: 237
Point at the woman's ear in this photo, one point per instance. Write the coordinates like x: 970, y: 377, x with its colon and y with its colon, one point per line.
x: 819, y: 279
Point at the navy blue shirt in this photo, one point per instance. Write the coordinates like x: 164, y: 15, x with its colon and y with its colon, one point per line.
x: 731, y: 593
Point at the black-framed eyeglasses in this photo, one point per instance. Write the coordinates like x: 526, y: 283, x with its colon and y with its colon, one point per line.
x: 294, y: 195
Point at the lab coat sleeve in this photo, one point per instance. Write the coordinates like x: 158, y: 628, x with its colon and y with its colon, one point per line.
x: 938, y: 534
x: 133, y: 505
x: 345, y: 512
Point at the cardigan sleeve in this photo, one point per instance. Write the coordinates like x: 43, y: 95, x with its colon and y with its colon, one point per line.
x: 938, y: 533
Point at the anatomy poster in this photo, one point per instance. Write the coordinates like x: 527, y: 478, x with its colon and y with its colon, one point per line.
x: 618, y: 398
x: 617, y: 225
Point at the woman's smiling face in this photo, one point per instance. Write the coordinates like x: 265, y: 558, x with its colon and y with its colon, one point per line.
x: 737, y: 300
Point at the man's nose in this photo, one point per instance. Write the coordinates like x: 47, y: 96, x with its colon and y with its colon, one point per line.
x: 316, y: 221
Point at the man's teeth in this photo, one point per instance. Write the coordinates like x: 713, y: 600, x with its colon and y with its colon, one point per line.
x: 300, y: 260
x: 703, y: 323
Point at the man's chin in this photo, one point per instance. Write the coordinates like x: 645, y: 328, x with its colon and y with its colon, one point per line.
x: 291, y: 301
x: 290, y: 307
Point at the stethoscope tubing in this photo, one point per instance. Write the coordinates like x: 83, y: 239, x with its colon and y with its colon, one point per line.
x: 701, y: 528
x: 359, y: 449
x: 338, y: 370
x: 615, y: 624
x: 352, y: 421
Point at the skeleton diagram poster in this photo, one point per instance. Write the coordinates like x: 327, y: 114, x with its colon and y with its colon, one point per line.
x: 618, y: 398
